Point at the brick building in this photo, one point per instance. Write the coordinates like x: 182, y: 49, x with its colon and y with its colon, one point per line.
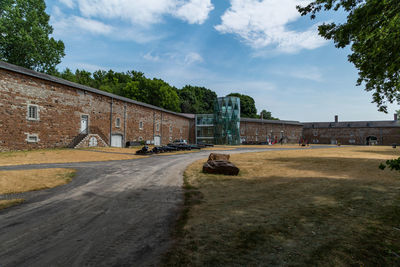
x: 257, y: 130
x: 353, y: 132
x: 42, y: 111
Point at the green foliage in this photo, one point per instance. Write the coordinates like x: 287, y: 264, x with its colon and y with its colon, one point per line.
x: 135, y: 85
x: 372, y: 30
x: 24, y: 36
x: 197, y: 100
x: 267, y: 115
x: 393, y: 164
x: 132, y: 84
x: 247, y: 106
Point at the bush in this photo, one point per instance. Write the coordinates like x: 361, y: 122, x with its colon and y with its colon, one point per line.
x: 393, y: 164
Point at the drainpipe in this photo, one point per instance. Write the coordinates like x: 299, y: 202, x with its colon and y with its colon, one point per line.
x: 161, y: 141
x: 195, y: 128
x: 111, y: 118
x: 124, y: 144
x: 154, y: 126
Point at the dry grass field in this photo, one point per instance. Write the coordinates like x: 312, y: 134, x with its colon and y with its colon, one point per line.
x: 58, y: 156
x: 30, y: 180
x: 6, y: 203
x: 321, y: 207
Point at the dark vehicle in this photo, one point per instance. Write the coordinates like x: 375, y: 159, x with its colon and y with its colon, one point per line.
x: 144, y: 151
x: 204, y: 144
x: 180, y: 146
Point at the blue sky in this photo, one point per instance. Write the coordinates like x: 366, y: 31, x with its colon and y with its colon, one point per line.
x: 260, y: 48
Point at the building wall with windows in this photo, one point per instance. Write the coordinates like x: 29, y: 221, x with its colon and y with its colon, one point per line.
x: 41, y: 111
x: 261, y: 131
x: 353, y: 132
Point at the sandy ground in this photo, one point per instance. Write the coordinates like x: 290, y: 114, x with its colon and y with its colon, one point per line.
x: 116, y: 213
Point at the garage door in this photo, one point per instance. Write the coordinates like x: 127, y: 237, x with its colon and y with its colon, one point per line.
x: 157, y: 140
x: 116, y: 140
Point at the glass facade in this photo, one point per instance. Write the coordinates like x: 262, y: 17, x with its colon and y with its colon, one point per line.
x: 227, y: 121
x: 205, y: 128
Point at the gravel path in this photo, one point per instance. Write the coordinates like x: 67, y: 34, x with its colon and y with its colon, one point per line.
x: 115, y: 213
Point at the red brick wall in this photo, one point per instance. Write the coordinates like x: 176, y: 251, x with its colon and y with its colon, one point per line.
x: 352, y: 136
x: 60, y: 110
x: 258, y: 132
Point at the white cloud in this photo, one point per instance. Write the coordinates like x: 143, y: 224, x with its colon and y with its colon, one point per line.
x: 148, y: 56
x: 195, y: 11
x: 68, y: 3
x: 91, y: 25
x: 193, y: 57
x: 265, y: 23
x: 146, y: 12
x: 74, y: 23
x: 311, y: 73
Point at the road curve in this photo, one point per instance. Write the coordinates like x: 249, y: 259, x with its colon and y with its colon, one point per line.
x: 116, y: 213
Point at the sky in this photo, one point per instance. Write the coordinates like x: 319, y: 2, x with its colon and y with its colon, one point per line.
x: 262, y: 48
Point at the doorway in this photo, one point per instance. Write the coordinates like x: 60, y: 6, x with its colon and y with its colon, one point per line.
x: 84, y: 124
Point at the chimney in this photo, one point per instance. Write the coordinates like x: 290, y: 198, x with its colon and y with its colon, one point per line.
x: 336, y: 118
x: 395, y: 116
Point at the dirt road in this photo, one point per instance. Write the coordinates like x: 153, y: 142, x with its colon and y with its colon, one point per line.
x: 116, y: 213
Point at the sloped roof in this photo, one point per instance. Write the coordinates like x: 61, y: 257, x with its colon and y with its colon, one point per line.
x: 352, y: 124
x: 271, y: 121
x: 46, y: 77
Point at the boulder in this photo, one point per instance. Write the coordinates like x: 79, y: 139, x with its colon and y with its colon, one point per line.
x: 220, y: 167
x: 217, y: 156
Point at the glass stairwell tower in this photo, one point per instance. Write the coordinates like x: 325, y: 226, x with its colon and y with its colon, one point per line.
x: 227, y: 121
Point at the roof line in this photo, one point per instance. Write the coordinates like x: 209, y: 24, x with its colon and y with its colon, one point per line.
x: 271, y: 121
x: 46, y: 77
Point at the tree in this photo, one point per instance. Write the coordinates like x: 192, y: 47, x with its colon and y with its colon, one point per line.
x: 198, y: 100
x: 24, y: 36
x: 247, y: 106
x: 372, y: 29
x: 267, y: 115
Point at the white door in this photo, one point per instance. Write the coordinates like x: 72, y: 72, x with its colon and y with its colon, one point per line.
x: 84, y: 124
x: 157, y: 140
x: 116, y: 140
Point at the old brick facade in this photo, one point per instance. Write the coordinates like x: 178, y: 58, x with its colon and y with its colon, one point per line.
x: 256, y: 130
x: 353, y: 132
x: 41, y: 111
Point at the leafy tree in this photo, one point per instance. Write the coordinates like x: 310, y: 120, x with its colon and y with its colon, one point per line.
x: 247, y: 106
x: 372, y: 30
x: 24, y: 36
x: 132, y: 84
x: 267, y: 115
x: 198, y: 100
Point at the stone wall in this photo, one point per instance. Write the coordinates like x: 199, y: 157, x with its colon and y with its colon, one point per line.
x: 352, y: 136
x: 259, y: 132
x: 60, y: 109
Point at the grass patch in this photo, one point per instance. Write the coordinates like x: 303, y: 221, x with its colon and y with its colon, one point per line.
x: 30, y: 180
x: 7, y: 203
x: 57, y: 156
x: 325, y: 207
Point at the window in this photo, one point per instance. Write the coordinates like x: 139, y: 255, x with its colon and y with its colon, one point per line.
x: 157, y: 127
x: 33, y: 112
x: 140, y: 138
x: 32, y: 138
x: 141, y: 125
x: 257, y: 131
x: 118, y: 122
x: 170, y: 129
